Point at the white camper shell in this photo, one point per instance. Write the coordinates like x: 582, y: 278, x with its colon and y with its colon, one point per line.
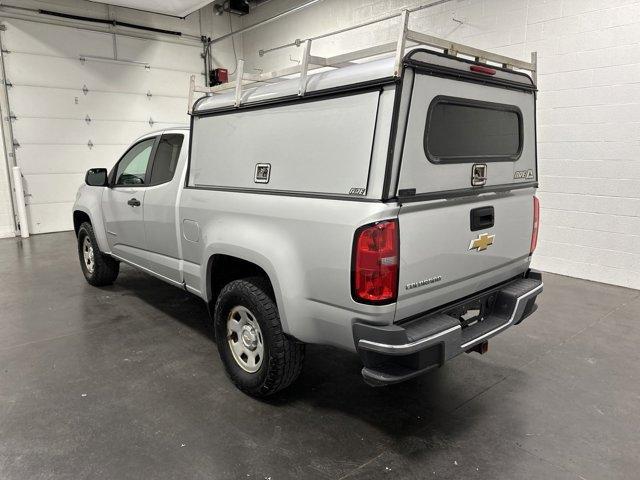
x: 305, y: 139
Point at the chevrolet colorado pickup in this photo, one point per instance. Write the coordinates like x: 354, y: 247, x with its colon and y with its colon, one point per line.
x: 392, y: 217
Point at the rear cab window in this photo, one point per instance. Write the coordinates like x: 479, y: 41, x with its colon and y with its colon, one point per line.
x: 465, y: 130
x: 166, y: 158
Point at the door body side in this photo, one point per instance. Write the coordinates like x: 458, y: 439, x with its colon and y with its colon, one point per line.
x: 123, y: 208
x: 163, y: 253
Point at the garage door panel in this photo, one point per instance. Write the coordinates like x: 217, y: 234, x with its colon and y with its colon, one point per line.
x: 56, y: 143
x: 54, y: 159
x: 96, y: 75
x: 63, y: 103
x: 52, y: 188
x: 47, y: 131
x: 161, y: 55
x: 51, y: 217
x: 51, y: 40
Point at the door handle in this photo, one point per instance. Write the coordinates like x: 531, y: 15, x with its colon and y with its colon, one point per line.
x: 134, y: 202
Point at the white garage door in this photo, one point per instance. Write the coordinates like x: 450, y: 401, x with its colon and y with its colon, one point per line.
x: 73, y: 114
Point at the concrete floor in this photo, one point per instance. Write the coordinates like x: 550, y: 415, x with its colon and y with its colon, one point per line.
x: 125, y: 382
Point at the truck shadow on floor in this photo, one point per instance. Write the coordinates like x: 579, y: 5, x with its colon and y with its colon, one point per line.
x: 421, y: 411
x: 174, y: 302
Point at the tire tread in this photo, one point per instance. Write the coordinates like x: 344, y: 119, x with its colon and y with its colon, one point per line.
x: 286, y: 354
x: 106, y: 268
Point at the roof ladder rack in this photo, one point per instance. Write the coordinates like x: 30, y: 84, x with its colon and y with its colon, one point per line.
x: 311, y: 62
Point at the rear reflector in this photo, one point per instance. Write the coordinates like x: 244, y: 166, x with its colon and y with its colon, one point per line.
x: 536, y: 224
x: 483, y: 70
x: 375, y: 263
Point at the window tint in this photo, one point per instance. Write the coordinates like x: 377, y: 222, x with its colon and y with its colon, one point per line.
x: 461, y: 130
x: 132, y: 168
x: 166, y: 159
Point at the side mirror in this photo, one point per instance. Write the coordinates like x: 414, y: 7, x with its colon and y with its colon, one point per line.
x: 96, y: 177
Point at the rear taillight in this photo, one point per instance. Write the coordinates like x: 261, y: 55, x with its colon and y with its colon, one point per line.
x: 536, y: 224
x: 375, y: 263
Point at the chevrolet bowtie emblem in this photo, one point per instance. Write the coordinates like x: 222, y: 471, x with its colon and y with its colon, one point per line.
x: 482, y: 242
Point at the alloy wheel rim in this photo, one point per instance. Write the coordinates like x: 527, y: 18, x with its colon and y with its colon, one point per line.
x: 245, y: 339
x: 87, y: 254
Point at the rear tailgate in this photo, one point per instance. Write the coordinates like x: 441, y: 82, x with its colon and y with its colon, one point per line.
x: 466, y: 184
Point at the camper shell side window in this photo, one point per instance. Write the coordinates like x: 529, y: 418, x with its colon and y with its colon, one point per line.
x: 460, y: 130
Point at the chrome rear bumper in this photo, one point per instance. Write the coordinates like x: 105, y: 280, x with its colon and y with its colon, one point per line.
x: 398, y: 352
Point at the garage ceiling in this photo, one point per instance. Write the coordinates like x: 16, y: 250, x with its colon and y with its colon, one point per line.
x: 177, y: 8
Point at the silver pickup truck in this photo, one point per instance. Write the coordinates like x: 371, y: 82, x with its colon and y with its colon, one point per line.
x: 393, y: 216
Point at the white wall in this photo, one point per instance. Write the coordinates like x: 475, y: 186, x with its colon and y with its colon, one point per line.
x: 588, y: 108
x: 43, y: 64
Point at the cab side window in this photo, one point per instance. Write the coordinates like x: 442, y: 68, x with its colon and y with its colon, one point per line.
x: 132, y: 167
x: 166, y: 158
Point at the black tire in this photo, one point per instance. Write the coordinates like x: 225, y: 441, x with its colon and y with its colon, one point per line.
x: 283, y: 356
x: 105, y: 268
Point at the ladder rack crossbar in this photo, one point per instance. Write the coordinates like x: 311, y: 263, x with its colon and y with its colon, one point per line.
x: 311, y: 62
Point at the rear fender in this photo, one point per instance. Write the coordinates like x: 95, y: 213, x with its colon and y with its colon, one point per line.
x: 251, y: 255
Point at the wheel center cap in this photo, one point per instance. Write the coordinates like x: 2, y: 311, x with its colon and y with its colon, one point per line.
x: 249, y: 338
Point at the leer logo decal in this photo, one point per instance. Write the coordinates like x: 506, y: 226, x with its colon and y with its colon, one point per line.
x: 523, y: 175
x: 482, y: 242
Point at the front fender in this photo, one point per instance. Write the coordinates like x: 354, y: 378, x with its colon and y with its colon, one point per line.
x: 89, y: 201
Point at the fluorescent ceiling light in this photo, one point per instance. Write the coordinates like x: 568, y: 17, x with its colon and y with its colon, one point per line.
x: 176, y: 8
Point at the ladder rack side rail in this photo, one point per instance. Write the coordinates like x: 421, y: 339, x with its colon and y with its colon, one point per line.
x: 262, y: 78
x: 279, y: 73
x: 348, y: 57
x: 432, y: 41
x: 319, y: 61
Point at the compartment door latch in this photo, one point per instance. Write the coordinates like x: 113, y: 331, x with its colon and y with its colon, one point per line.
x: 478, y: 174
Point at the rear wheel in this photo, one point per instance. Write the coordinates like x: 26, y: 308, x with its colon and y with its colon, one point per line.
x: 257, y: 355
x: 99, y: 269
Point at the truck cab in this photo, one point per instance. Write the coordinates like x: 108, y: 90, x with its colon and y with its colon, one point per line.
x: 136, y: 209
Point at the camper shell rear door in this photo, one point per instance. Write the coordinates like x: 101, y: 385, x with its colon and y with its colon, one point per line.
x: 467, y: 172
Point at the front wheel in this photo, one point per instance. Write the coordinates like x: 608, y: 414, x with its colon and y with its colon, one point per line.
x: 99, y: 269
x: 257, y: 355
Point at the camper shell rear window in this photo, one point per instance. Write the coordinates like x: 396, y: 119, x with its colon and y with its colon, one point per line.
x: 462, y: 130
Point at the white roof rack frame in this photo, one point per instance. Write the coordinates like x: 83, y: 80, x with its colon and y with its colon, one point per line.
x: 311, y: 62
